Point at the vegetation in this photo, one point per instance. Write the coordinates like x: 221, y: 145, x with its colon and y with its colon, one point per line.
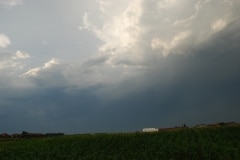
x: 189, y: 143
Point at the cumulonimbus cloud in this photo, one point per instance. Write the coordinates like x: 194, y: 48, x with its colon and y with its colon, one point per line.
x: 140, y: 32
x: 4, y: 41
x: 162, y: 25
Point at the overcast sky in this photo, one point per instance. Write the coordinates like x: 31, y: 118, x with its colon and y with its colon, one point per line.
x: 112, y: 66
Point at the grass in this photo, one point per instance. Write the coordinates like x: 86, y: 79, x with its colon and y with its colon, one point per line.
x: 194, y: 143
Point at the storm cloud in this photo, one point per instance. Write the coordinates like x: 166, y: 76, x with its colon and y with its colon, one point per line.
x: 156, y: 63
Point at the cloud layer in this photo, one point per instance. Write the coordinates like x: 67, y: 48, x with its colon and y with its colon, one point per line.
x: 159, y: 63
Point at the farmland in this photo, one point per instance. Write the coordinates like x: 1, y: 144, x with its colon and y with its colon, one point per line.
x: 189, y: 143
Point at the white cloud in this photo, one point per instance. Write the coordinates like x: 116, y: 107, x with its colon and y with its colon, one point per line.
x: 10, y: 68
x: 218, y: 25
x: 4, y: 41
x: 32, y: 72
x: 104, y: 4
x: 119, y: 29
x: 36, y: 71
x: 11, y: 3
x: 198, y: 6
x: 167, y: 46
x: 51, y: 63
x: 11, y: 61
x: 21, y: 55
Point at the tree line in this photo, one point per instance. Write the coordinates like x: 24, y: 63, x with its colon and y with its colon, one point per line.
x: 25, y: 134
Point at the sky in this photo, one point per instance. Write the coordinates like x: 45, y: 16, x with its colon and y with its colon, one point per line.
x: 118, y: 66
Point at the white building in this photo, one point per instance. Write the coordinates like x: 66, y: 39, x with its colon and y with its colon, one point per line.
x: 150, y: 130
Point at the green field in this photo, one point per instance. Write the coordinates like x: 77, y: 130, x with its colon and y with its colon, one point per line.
x: 193, y: 143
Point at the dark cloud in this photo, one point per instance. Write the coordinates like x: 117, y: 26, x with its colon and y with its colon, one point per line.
x: 202, y: 87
